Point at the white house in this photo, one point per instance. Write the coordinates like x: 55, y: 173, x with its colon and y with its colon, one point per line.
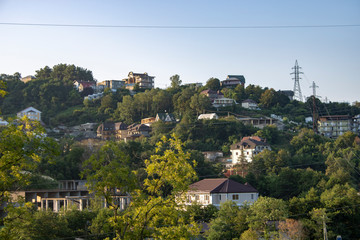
x: 248, y: 148
x: 249, y: 104
x: 31, y: 113
x: 223, y: 102
x: 208, y: 116
x: 218, y: 190
x: 3, y: 122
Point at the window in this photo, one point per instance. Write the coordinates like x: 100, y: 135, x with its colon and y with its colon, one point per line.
x: 197, y: 198
x: 235, y: 197
x: 220, y: 197
x: 252, y: 196
x: 207, y: 197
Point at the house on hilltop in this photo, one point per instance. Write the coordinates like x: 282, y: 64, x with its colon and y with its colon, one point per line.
x: 218, y: 190
x: 27, y: 78
x: 142, y: 79
x: 165, y: 117
x: 249, y: 104
x: 232, y: 81
x: 248, y: 147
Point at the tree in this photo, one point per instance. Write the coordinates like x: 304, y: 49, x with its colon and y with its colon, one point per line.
x: 22, y: 148
x: 213, y: 84
x: 292, y: 229
x: 224, y: 225
x: 199, y: 103
x: 175, y: 81
x: 265, y: 212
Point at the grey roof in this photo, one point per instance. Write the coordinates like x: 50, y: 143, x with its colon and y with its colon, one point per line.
x: 221, y: 185
x: 249, y: 142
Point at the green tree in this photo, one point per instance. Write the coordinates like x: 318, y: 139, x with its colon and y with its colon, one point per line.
x: 223, y: 227
x: 213, y: 84
x: 175, y: 81
x: 22, y: 148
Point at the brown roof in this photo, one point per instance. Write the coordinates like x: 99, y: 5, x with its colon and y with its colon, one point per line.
x: 221, y: 185
x: 250, y: 143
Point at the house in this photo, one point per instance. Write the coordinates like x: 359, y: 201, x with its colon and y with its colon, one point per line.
x: 212, y: 95
x: 335, y: 125
x: 218, y: 190
x: 27, y: 78
x: 208, y: 116
x: 261, y: 122
x: 81, y: 85
x: 94, y: 96
x: 232, y: 81
x: 249, y: 104
x: 110, y: 130
x: 212, y: 156
x: 143, y: 80
x: 247, y: 148
x: 31, y: 113
x: 223, y: 102
x: 3, y: 122
x: 138, y: 130
x: 148, y: 121
x: 165, y: 117
x: 112, y: 84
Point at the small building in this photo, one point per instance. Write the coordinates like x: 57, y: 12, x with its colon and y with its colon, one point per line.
x: 232, y: 81
x: 247, y: 148
x: 261, y: 122
x: 31, y: 113
x: 3, y: 122
x: 27, y: 78
x: 110, y: 130
x: 249, y: 104
x: 223, y: 102
x: 143, y: 80
x: 212, y: 155
x: 219, y: 190
x: 138, y: 130
x: 165, y: 117
x: 208, y: 116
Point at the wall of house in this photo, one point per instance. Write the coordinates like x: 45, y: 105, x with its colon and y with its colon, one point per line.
x: 238, y: 198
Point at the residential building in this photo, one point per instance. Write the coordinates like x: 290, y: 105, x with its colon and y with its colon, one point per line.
x: 94, y: 96
x: 112, y: 84
x: 247, y: 148
x: 261, y: 122
x: 3, y: 122
x: 81, y: 85
x: 223, y: 102
x: 218, y: 190
x: 208, y: 116
x: 69, y: 193
x: 249, y: 104
x: 232, y: 81
x: 212, y: 155
x: 142, y: 79
x: 110, y: 130
x: 148, y: 121
x: 27, y: 78
x: 138, y: 130
x: 336, y: 125
x: 165, y: 117
x: 31, y: 112
x: 212, y: 95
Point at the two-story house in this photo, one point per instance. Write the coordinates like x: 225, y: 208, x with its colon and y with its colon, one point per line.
x: 218, y: 190
x: 248, y: 147
x: 232, y: 81
x: 249, y: 104
x: 31, y: 112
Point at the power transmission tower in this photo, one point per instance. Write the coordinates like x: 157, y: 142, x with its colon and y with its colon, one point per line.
x: 297, y: 90
x: 315, y: 115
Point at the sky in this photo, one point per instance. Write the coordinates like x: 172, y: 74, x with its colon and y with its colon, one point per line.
x: 329, y: 56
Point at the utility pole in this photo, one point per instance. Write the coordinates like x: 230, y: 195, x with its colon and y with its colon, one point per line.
x: 315, y: 117
x: 325, y: 231
x: 297, y: 90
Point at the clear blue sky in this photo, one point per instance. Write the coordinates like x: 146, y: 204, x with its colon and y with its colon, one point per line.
x: 328, y: 56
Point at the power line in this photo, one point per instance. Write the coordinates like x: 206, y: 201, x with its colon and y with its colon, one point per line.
x: 177, y: 26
